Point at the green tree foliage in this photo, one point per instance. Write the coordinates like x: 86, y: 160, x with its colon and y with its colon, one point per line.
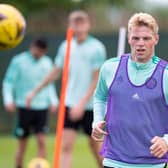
x: 29, y: 6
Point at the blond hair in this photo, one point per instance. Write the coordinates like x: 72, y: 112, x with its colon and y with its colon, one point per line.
x: 78, y: 14
x: 143, y: 19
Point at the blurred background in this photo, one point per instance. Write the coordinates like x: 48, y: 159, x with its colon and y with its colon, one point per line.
x: 48, y: 18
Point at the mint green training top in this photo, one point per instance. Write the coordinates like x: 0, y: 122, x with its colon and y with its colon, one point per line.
x: 23, y: 75
x: 138, y: 73
x: 85, y: 59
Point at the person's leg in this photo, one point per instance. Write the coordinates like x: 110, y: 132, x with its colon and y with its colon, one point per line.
x: 41, y: 145
x: 22, y: 143
x: 39, y: 125
x: 94, y: 146
x: 69, y: 137
x: 22, y: 133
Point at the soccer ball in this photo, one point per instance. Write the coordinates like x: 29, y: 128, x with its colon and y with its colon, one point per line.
x: 38, y: 163
x: 12, y: 27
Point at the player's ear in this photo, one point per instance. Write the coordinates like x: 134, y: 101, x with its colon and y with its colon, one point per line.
x: 128, y: 36
x: 156, y: 39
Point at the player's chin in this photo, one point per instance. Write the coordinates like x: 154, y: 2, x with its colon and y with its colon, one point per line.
x: 142, y: 57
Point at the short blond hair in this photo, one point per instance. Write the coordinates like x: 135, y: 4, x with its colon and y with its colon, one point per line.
x: 78, y: 14
x: 143, y: 19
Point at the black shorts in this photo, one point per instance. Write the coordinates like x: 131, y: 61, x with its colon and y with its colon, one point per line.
x: 31, y: 121
x: 85, y: 123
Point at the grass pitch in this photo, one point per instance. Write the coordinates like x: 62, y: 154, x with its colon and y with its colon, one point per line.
x: 82, y: 156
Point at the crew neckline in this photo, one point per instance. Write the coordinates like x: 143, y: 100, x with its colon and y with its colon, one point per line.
x: 140, y: 66
x: 87, y: 38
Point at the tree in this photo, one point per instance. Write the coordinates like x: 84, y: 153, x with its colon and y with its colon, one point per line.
x: 37, y: 5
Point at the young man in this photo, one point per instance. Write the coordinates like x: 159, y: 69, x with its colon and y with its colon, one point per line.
x: 87, y: 55
x: 135, y: 90
x: 24, y: 73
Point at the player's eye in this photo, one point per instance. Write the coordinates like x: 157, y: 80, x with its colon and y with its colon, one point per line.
x: 147, y: 38
x: 135, y: 38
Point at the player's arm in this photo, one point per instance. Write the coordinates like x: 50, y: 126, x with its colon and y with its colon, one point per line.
x: 77, y: 111
x: 99, y: 108
x: 91, y: 89
x: 98, y: 59
x: 9, y: 82
x: 106, y: 77
x: 52, y: 93
x: 53, y: 75
x: 53, y: 98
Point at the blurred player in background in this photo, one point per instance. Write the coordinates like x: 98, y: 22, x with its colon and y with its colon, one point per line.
x: 87, y: 55
x: 26, y: 71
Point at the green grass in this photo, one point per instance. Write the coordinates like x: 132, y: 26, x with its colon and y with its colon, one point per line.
x: 82, y: 156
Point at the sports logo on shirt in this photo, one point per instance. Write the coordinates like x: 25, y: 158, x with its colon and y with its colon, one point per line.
x: 151, y: 83
x: 136, y: 96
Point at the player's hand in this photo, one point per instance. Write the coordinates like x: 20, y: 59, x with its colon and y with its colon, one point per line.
x: 10, y: 107
x: 77, y: 112
x: 29, y: 99
x: 159, y: 147
x: 53, y: 108
x: 98, y: 132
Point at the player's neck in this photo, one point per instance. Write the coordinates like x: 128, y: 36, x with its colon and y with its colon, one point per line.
x: 81, y: 38
x: 138, y: 60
